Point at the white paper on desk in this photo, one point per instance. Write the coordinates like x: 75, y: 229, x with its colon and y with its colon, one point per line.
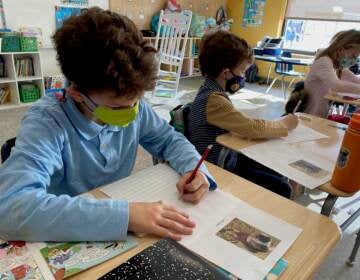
x: 303, y: 133
x: 303, y: 167
x: 243, y: 105
x: 235, y: 235
x: 245, y: 94
x: 211, y: 215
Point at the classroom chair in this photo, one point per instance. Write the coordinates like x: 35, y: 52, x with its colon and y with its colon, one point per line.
x: 283, y: 70
x: 6, y: 149
x: 171, y: 39
x: 179, y: 120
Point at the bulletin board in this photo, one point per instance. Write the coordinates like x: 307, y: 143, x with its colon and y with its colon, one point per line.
x: 141, y: 11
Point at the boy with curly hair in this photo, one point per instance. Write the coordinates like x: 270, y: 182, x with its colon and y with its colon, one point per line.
x: 89, y: 139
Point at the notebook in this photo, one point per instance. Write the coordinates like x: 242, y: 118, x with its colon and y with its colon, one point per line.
x: 167, y: 259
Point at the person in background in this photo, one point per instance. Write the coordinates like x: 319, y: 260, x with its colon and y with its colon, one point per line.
x: 330, y: 71
x: 224, y: 58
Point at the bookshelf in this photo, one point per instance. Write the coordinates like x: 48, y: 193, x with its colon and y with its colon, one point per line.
x: 14, y: 78
x: 190, y: 66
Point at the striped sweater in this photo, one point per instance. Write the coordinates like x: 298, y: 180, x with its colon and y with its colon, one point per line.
x: 213, y: 114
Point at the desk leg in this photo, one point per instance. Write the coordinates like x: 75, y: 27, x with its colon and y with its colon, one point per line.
x: 328, y: 205
x: 222, y: 157
x: 354, y: 251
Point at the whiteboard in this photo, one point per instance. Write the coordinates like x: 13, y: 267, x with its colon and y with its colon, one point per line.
x: 38, y: 13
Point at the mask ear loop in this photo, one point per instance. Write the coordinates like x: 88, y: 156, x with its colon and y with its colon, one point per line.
x: 88, y: 102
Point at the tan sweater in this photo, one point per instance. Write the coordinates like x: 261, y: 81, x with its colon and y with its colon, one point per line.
x: 221, y: 113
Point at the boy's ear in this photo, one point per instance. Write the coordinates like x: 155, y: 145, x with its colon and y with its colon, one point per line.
x: 75, y: 95
x: 226, y: 74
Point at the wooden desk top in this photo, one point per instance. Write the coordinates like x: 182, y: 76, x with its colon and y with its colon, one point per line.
x: 325, y: 148
x: 305, y: 256
x: 340, y: 99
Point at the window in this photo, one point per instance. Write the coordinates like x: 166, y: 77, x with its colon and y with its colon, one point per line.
x: 310, y: 24
x: 310, y: 35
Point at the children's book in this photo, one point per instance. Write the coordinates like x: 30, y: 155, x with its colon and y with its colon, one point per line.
x: 66, y: 259
x: 17, y: 262
x: 167, y: 259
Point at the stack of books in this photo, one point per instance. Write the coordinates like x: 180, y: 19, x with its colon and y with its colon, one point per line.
x: 24, y: 66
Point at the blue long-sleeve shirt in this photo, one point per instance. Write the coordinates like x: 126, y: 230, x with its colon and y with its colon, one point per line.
x: 59, y: 154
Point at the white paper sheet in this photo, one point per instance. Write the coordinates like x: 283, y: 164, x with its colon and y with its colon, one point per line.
x: 245, y: 94
x: 304, y: 168
x: 244, y: 105
x: 210, y: 215
x: 303, y: 133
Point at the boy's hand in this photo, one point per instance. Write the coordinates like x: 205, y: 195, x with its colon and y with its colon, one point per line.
x: 195, y: 190
x: 291, y: 121
x: 159, y: 219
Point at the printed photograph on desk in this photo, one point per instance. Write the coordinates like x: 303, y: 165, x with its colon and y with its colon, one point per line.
x: 16, y: 262
x: 309, y: 168
x: 66, y: 259
x: 247, y: 237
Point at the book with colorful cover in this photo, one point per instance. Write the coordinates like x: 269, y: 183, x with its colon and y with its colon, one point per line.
x: 17, y: 262
x: 66, y: 259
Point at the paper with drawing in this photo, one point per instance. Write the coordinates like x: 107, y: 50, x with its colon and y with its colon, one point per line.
x: 303, y: 167
x: 251, y: 241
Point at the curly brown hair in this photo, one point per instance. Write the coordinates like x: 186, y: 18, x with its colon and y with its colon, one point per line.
x: 103, y: 50
x: 221, y: 50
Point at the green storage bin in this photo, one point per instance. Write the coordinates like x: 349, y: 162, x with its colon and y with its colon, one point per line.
x: 11, y: 43
x: 28, y: 44
x: 29, y: 92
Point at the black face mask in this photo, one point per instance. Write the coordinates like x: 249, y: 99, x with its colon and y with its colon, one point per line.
x: 234, y: 84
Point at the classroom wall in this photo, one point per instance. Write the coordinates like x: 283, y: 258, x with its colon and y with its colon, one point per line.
x: 274, y: 16
x: 134, y: 9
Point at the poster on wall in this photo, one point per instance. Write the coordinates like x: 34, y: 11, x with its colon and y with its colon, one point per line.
x: 253, y: 13
x: 63, y: 13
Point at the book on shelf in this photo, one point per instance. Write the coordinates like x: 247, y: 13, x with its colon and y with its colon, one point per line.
x: 24, y: 66
x: 4, y: 93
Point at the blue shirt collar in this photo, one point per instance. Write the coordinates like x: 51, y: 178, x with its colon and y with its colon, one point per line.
x: 87, y: 128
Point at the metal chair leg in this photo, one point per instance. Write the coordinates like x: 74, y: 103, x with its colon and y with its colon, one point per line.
x: 268, y: 75
x: 354, y: 251
x: 328, y: 205
x: 283, y: 87
x: 291, y: 82
x: 272, y: 84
